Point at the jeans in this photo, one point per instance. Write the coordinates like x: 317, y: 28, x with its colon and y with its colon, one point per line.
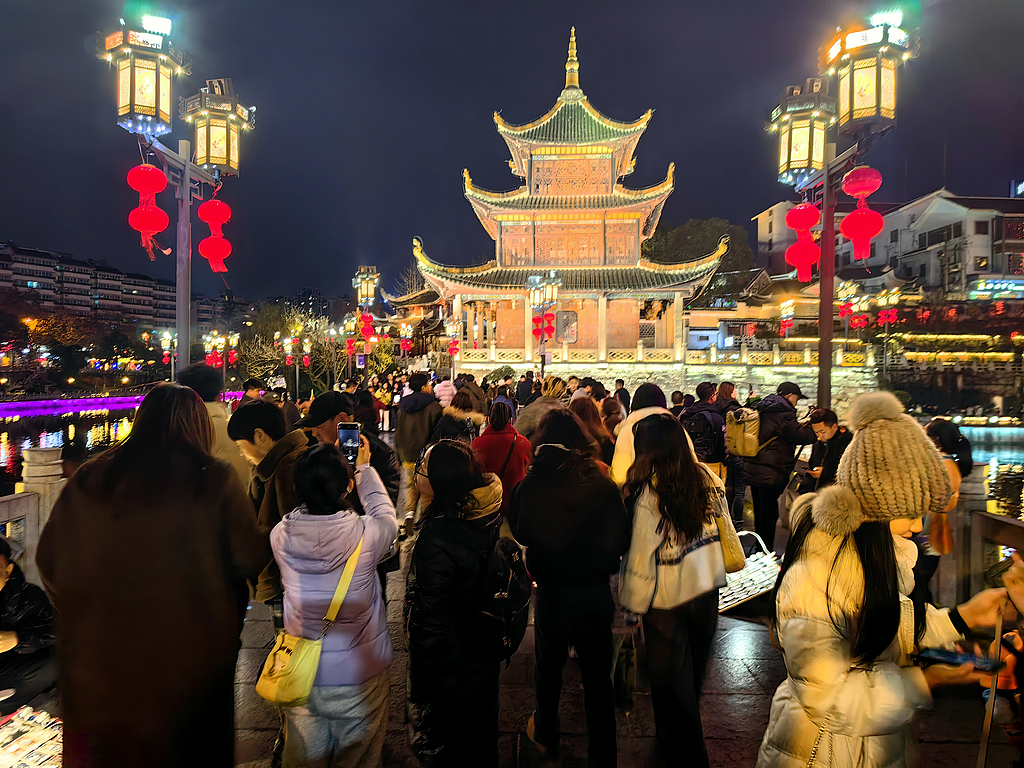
x: 340, y: 726
x: 578, y: 615
x: 28, y: 675
x: 766, y: 511
x: 736, y: 489
x: 678, y: 645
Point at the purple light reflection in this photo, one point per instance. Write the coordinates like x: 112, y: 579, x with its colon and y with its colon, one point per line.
x: 27, y: 408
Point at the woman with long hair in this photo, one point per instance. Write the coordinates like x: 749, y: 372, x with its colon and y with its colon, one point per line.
x: 503, y: 451
x: 586, y: 409
x: 453, y: 695
x: 673, y: 571
x: 611, y: 415
x: 458, y: 421
x: 571, y: 519
x: 848, y: 640
x: 345, y: 718
x: 648, y: 400
x: 146, y: 556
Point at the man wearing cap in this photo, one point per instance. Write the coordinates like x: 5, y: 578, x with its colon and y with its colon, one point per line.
x: 330, y: 408
x: 768, y: 473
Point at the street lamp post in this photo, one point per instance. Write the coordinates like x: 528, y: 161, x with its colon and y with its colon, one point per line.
x: 543, y: 297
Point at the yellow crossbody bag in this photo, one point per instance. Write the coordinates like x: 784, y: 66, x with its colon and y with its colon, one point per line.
x: 290, y: 669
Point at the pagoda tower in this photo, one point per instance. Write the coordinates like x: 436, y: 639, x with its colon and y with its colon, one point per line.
x: 571, y: 217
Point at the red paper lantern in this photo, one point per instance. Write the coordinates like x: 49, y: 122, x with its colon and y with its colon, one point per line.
x: 861, y: 224
x: 148, y: 220
x: 366, y: 331
x: 167, y: 359
x: 232, y: 357
x: 366, y: 319
x: 537, y: 332
x: 350, y: 346
x: 305, y: 360
x: 287, y: 359
x: 215, y: 248
x: 147, y: 179
x: 804, y: 253
x: 537, y: 320
x: 549, y: 331
x: 845, y: 309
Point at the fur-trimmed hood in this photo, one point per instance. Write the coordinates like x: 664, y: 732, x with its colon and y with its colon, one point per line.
x: 457, y: 413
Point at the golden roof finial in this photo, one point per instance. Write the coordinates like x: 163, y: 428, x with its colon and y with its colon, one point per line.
x: 572, y: 65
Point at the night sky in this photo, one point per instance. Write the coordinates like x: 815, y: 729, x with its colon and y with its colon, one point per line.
x: 368, y: 112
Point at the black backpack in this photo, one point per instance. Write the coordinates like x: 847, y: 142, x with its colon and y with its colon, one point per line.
x: 503, y: 608
x: 708, y: 442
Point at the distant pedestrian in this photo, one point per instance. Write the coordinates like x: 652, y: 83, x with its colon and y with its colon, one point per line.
x: 736, y: 483
x: 146, y: 556
x: 503, y: 395
x: 479, y: 398
x: 524, y: 388
x: 345, y: 719
x: 677, y: 404
x: 458, y: 421
x: 551, y: 398
x: 622, y: 394
x: 445, y: 391
x: 253, y: 391
x: 453, y: 694
x: 571, y: 519
x: 535, y: 395
x: 590, y: 417
x: 503, y: 451
x: 259, y: 431
x: 611, y: 415
x: 706, y: 428
x: 418, y: 414
x: 208, y: 382
x: 672, y: 577
x: 769, y: 471
x: 832, y: 442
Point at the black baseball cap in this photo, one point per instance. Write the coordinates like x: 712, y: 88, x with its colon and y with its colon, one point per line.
x: 326, y: 406
x: 789, y: 388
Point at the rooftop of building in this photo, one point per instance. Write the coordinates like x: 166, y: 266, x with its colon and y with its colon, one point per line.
x: 424, y: 296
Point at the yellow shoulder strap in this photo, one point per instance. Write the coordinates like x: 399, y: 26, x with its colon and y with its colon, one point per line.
x: 343, y: 585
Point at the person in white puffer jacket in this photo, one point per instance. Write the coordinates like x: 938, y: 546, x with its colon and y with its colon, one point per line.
x: 852, y: 689
x: 445, y: 391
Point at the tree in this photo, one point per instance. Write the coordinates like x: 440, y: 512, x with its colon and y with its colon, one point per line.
x: 410, y: 280
x: 259, y: 357
x: 697, y: 238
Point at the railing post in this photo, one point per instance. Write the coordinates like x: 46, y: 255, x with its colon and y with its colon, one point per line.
x: 839, y: 356
x: 807, y: 355
x: 776, y: 354
x: 713, y: 354
x: 42, y: 475
x: 743, y: 354
x: 639, y: 351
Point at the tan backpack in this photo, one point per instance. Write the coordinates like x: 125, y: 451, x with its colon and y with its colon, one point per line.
x: 742, y: 432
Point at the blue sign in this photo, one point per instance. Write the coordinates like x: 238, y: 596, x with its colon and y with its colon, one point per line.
x: 360, y: 361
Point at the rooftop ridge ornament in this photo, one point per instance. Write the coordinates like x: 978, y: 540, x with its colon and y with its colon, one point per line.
x: 572, y: 72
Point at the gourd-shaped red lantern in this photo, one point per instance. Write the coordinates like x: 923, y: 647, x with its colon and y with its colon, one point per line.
x: 215, y: 248
x: 538, y: 322
x: 147, y: 219
x: 804, y: 253
x: 862, y: 223
x: 367, y: 330
x: 549, y: 329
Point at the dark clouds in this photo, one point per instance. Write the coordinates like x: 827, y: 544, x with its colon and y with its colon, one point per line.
x: 369, y: 111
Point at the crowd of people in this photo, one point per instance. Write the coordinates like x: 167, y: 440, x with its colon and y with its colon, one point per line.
x: 617, y: 506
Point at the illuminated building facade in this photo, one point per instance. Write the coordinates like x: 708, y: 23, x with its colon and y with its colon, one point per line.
x: 571, y: 216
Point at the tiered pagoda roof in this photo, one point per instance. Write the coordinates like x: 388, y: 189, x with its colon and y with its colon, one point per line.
x: 646, y: 276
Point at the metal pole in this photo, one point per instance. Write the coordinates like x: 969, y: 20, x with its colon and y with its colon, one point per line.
x: 826, y: 282
x: 183, y: 272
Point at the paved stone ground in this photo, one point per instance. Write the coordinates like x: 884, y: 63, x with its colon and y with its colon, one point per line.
x: 744, y: 672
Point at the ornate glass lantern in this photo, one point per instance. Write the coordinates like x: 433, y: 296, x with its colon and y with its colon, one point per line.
x: 219, y: 119
x: 801, y: 118
x: 365, y: 282
x: 864, y: 62
x: 145, y: 63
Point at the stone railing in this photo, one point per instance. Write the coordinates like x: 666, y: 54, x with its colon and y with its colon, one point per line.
x: 23, y: 515
x: 640, y: 354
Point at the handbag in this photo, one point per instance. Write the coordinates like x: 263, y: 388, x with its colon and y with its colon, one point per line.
x: 289, y: 671
x: 732, y: 550
x: 757, y: 577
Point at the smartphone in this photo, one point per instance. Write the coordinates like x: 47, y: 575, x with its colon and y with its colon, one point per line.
x: 348, y: 440
x: 938, y: 656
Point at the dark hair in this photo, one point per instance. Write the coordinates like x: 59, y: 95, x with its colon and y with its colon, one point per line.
x: 727, y: 391
x: 872, y: 629
x: 454, y: 471
x: 206, y: 381
x: 417, y: 381
x: 322, y: 475
x: 561, y: 426
x: 251, y: 384
x: 502, y: 391
x: 443, y: 378
x: 258, y: 415
x: 705, y: 390
x: 5, y: 550
x: 590, y: 417
x: 598, y: 392
x: 683, y: 489
x: 620, y: 381
x: 947, y: 438
x: 688, y: 400
x: 462, y: 400
x: 171, y: 425
x: 824, y: 416
x: 611, y: 414
x: 529, y: 374
x: 648, y: 396
x: 470, y: 377
x: 499, y: 416
x: 587, y: 381
x: 677, y: 398
x: 536, y: 385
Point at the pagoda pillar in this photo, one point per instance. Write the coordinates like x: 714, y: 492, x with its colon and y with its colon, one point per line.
x: 528, y: 332
x: 602, y: 328
x: 678, y: 341
x: 457, y: 311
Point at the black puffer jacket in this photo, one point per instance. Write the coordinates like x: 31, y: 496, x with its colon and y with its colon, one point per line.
x: 25, y: 609
x: 453, y: 698
x: 570, y: 517
x: 774, y: 463
x: 826, y: 455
